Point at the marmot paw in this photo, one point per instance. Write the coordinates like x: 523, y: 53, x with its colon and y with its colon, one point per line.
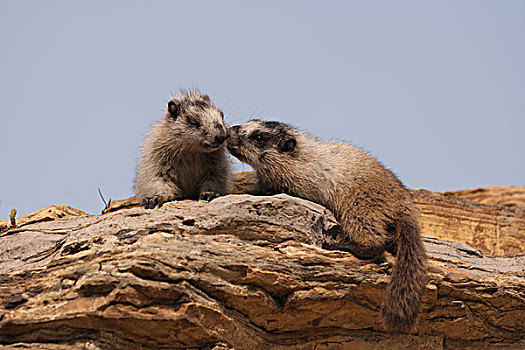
x: 208, y: 195
x: 152, y: 202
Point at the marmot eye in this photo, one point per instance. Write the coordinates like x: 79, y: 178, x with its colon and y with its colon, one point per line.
x: 257, y: 138
x: 194, y: 123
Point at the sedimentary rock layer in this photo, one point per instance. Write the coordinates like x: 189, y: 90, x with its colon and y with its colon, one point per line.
x: 239, y: 272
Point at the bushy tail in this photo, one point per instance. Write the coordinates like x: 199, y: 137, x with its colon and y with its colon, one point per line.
x: 402, y: 297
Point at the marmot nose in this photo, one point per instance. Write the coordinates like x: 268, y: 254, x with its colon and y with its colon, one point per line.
x: 219, y: 139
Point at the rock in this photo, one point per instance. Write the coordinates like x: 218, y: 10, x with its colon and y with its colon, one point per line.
x: 119, y: 204
x: 241, y: 272
x: 54, y: 212
x: 509, y: 196
x: 493, y: 229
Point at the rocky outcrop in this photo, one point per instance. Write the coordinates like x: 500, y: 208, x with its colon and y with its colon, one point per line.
x: 493, y: 229
x: 51, y: 213
x: 245, y: 272
x: 509, y: 196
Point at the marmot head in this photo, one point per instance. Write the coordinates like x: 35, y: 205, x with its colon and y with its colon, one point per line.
x: 193, y: 116
x: 263, y: 144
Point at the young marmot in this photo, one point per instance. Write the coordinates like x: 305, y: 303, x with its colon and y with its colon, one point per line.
x: 374, y: 209
x: 184, y: 155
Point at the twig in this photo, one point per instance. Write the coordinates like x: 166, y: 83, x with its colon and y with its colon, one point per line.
x: 108, y: 204
x: 101, y: 196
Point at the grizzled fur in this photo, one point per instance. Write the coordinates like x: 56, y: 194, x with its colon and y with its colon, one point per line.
x: 375, y: 211
x: 184, y: 154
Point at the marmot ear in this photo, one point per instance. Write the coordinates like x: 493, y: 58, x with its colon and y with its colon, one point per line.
x: 288, y: 145
x: 173, y: 109
x: 207, y: 98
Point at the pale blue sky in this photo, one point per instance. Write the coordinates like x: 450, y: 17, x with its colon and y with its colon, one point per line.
x: 433, y: 89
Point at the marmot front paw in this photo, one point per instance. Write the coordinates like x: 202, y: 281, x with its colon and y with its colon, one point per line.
x: 154, y: 202
x: 208, y: 195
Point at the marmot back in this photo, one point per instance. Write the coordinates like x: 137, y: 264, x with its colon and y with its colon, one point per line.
x: 184, y: 156
x: 374, y: 209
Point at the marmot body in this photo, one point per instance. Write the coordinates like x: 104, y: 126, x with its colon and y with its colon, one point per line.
x: 184, y: 155
x: 374, y: 209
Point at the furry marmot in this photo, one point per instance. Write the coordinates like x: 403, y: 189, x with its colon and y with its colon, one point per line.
x: 184, y: 155
x: 374, y: 209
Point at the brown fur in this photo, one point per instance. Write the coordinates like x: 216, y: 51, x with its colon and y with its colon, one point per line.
x: 374, y: 209
x: 184, y: 154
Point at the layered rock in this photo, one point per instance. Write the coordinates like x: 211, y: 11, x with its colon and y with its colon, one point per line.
x: 509, y: 196
x: 493, y: 229
x: 245, y: 272
x: 51, y: 213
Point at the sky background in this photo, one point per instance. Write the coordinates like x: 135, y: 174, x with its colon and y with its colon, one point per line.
x: 434, y: 89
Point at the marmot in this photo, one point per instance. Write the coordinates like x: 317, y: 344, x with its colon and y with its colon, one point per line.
x: 184, y: 155
x: 374, y: 209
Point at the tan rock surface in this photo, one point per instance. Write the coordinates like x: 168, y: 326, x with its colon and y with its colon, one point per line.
x: 509, y: 196
x: 54, y: 212
x: 239, y: 272
x: 493, y: 229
